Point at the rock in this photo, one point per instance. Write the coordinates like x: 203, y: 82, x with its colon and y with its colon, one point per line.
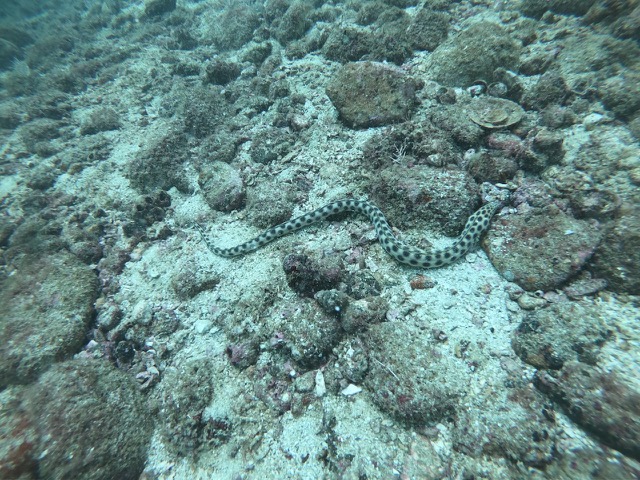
x: 541, y: 249
x: 207, y: 113
x: 268, y: 204
x: 9, y: 118
x: 307, y: 276
x: 347, y: 44
x: 411, y: 380
x: 351, y: 390
x: 320, y: 388
x: 256, y: 53
x: 271, y: 144
x: 492, y: 167
x: 154, y: 8
x: 389, y: 42
x: 34, y: 238
x: 618, y: 257
x: 234, y: 27
x: 91, y: 422
x: 243, y: 354
x: 219, y: 72
x: 350, y: 364
x: 18, y: 440
x: 439, y: 141
x: 16, y: 36
x: 360, y: 314
x: 621, y: 94
x: 594, y: 120
x: 305, y: 382
x: 309, y: 333
x: 148, y: 211
x: 190, y: 281
x: 333, y: 302
x: 371, y: 94
x: 362, y: 283
x: 39, y: 130
x: 425, y: 197
x: 551, y: 89
x: 222, y: 187
x: 453, y: 121
x: 294, y: 23
x: 473, y: 55
x: 47, y: 305
x: 531, y: 301
x: 518, y: 431
x: 606, y: 403
x: 494, y: 113
x: 184, y: 393
x: 562, y: 332
x: 160, y: 165
x: 585, y: 287
x: 627, y: 26
x: 574, y: 461
x: 536, y: 8
x: 428, y: 29
x: 101, y: 120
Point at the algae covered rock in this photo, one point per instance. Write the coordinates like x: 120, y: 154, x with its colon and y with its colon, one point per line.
x: 347, y: 44
x: 308, y: 333
x: 294, y: 23
x: 551, y: 89
x: 429, y: 29
x: 618, y: 257
x: 519, y: 431
x: 155, y: 8
x: 101, y: 120
x: 47, y: 305
x: 90, y: 420
x: 234, y: 26
x: 411, y: 381
x: 160, y: 165
x: 269, y: 205
x: 474, y: 55
x: 536, y: 8
x: 222, y: 187
x: 371, y: 94
x: 563, y: 332
x: 308, y: 275
x: 184, y: 393
x: 606, y: 403
x: 621, y: 94
x: 540, y: 249
x: 426, y: 197
x: 8, y: 53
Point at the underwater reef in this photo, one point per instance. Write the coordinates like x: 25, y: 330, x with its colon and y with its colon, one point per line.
x: 238, y: 239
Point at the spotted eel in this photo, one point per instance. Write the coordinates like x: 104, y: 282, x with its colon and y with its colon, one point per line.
x: 476, y: 225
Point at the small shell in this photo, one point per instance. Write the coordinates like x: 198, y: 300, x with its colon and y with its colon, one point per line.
x: 492, y: 112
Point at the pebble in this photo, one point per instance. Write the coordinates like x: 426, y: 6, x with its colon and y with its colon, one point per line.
x: 594, y: 119
x: 531, y: 302
x: 202, y: 326
x: 351, y: 390
x: 321, y: 388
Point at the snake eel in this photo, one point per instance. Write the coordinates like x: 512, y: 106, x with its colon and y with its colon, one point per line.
x: 476, y: 225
